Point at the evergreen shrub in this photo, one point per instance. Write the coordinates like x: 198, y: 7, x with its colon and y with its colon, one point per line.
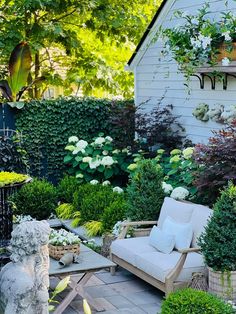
x: 192, y: 301
x: 37, y: 199
x: 67, y: 186
x: 144, y: 192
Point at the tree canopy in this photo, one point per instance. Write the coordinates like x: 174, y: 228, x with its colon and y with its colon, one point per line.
x: 86, y: 42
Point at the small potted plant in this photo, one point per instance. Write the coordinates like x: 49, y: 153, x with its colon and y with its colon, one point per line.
x: 62, y: 242
x: 201, y: 40
x: 218, y: 245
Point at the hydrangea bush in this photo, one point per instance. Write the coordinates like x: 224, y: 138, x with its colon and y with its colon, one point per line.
x: 179, y: 173
x: 97, y: 161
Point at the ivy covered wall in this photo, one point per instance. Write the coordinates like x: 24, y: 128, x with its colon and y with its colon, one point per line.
x: 47, y: 124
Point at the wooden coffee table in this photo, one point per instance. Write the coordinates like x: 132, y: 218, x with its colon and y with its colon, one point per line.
x: 89, y: 262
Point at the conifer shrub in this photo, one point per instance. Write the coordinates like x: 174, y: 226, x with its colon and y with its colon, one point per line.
x: 218, y: 241
x: 144, y: 192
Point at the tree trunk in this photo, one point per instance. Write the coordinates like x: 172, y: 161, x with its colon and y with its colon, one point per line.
x: 36, y: 73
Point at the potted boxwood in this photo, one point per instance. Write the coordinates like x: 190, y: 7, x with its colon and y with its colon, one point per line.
x: 218, y: 245
x: 201, y: 40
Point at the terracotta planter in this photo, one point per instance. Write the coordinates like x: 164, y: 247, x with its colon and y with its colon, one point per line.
x: 223, y: 53
x: 223, y: 284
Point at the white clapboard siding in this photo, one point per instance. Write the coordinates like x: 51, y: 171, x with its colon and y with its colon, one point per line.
x: 158, y: 79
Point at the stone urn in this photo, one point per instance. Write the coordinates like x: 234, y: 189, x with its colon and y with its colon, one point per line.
x: 223, y: 284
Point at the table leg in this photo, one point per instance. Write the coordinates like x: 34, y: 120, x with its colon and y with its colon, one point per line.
x: 78, y: 289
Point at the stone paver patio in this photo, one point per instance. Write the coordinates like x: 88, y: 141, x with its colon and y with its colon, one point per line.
x: 119, y: 294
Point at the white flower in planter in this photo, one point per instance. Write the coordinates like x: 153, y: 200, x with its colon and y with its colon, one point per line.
x: 99, y: 140
x: 94, y: 182
x: 179, y: 193
x: 167, y: 188
x: 225, y: 62
x: 73, y: 139
x: 117, y: 189
x: 227, y: 36
x: 107, y: 161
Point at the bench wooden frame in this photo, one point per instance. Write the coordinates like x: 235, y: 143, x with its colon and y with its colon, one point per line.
x: 170, y: 284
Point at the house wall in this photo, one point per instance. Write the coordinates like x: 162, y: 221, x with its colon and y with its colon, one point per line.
x: 157, y: 76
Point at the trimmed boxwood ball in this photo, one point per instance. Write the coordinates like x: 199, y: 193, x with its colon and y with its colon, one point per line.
x: 37, y: 199
x: 192, y: 301
x: 67, y: 186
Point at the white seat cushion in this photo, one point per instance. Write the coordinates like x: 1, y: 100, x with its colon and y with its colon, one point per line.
x: 177, y: 210
x: 126, y: 249
x: 158, y: 265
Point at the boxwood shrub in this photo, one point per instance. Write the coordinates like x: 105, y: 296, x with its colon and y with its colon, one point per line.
x: 192, y: 301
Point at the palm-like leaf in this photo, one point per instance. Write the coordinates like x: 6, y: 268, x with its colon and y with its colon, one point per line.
x: 19, y: 68
x: 6, y: 90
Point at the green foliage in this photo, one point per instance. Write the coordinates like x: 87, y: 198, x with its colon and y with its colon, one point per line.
x: 179, y: 169
x: 37, y: 199
x: 47, y: 125
x: 67, y: 186
x: 114, y: 212
x: 93, y: 228
x: 192, y: 301
x: 97, y: 160
x: 93, y: 204
x: 87, y: 38
x: 218, y: 242
x: 65, y: 211
x: 145, y: 193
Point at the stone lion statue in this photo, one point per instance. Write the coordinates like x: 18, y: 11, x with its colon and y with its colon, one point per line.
x: 24, y: 281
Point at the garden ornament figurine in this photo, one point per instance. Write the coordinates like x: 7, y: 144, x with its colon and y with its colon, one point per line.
x: 24, y: 281
x: 229, y: 114
x: 215, y: 112
x: 200, y: 112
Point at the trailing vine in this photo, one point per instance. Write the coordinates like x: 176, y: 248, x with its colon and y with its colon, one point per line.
x: 46, y: 126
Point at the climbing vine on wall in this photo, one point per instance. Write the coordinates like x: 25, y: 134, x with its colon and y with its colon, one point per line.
x: 47, y: 124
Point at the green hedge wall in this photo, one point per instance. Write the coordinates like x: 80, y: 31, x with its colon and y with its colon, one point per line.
x: 47, y: 124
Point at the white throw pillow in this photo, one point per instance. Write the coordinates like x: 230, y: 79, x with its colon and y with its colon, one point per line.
x: 161, y: 241
x: 183, y: 232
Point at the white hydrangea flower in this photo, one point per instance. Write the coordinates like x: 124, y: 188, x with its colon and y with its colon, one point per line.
x: 73, y: 139
x: 105, y: 152
x: 87, y: 159
x: 80, y: 176
x: 167, y: 188
x: 188, y: 152
x: 117, y: 189
x: 93, y: 164
x: 107, y: 182
x: 82, y: 144
x: 77, y: 150
x: 108, y: 138
x: 116, y: 151
x: 179, y: 193
x: 99, y: 140
x: 94, y: 182
x: 107, y: 161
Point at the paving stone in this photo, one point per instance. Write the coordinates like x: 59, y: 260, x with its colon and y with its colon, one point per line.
x: 118, y: 277
x: 120, y: 301
x: 131, y: 286
x: 144, y: 297
x: 151, y: 308
x: 133, y: 310
x: 104, y: 302
x: 100, y: 291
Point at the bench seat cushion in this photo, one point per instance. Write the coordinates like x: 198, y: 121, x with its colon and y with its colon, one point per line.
x: 137, y: 252
x: 126, y: 249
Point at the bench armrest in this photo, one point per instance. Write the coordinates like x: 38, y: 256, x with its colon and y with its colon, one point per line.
x: 127, y: 224
x: 189, y: 250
